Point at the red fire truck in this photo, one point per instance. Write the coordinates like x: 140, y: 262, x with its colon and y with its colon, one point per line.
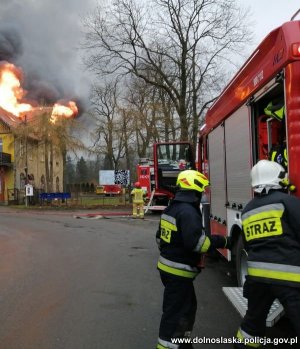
x: 109, y: 189
x: 237, y: 132
x: 169, y: 158
x: 156, y: 200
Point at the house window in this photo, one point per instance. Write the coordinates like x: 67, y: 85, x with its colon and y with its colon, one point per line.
x: 22, y: 180
x: 43, y: 182
x: 30, y: 151
x: 1, y: 145
x: 31, y: 179
x: 22, y: 148
x: 42, y: 153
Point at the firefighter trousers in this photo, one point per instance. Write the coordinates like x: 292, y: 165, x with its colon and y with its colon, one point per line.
x: 138, y: 209
x: 179, y: 309
x: 260, y: 298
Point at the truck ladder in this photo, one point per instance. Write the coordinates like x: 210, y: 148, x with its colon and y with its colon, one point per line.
x: 150, y: 201
x: 151, y: 207
x: 235, y: 296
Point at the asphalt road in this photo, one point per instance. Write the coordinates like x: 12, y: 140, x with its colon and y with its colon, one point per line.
x: 69, y: 283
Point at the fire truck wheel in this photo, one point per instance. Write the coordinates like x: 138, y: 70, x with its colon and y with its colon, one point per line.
x: 241, y: 261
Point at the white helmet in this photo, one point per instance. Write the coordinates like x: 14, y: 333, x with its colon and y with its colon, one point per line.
x: 267, y: 175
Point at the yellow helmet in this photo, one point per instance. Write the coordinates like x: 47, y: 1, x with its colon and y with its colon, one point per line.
x: 192, y: 180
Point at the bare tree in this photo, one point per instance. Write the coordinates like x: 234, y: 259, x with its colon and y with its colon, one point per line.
x: 181, y: 47
x: 109, y: 132
x: 156, y: 117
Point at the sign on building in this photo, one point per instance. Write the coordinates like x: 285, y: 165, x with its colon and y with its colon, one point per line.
x: 28, y: 190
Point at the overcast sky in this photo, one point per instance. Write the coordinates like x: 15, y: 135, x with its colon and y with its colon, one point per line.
x: 270, y: 14
x: 43, y: 36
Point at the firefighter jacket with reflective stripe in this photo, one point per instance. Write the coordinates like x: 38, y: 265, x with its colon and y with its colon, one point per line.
x: 271, y: 226
x: 181, y: 237
x: 138, y: 195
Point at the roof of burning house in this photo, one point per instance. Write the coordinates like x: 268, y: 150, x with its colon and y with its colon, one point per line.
x: 9, y: 119
x: 13, y: 121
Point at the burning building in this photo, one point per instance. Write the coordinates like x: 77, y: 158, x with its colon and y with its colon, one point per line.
x: 28, y: 152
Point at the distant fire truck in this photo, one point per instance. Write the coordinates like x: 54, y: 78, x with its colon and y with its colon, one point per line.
x: 159, y: 176
x: 109, y: 189
x: 107, y: 185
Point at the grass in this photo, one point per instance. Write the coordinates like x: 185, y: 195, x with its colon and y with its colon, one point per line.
x: 84, y: 201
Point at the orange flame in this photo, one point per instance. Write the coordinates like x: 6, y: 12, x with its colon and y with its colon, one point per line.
x: 11, y: 91
x: 11, y: 95
x: 67, y: 111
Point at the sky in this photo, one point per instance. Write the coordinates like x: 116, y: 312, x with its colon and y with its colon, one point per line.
x: 268, y: 15
x: 43, y: 38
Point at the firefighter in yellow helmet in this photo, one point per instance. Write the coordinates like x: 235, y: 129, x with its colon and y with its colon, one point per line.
x: 138, y: 195
x: 182, y: 240
x: 271, y: 231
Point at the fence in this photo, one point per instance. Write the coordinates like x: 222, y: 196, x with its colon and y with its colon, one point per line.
x: 17, y: 197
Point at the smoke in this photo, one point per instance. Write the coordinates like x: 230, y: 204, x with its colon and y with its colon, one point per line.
x: 10, y: 43
x: 43, y: 37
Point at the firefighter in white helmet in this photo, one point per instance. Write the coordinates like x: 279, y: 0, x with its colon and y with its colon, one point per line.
x: 182, y: 241
x: 138, y: 195
x: 271, y: 231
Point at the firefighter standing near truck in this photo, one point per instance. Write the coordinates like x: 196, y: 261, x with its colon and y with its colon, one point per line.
x: 271, y: 227
x: 138, y: 195
x: 182, y: 241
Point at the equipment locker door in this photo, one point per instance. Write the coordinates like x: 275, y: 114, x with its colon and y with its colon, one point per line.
x: 217, y: 174
x: 238, y: 158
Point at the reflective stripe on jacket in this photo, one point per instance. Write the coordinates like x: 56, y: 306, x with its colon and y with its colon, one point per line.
x: 181, y: 237
x: 252, y: 341
x: 168, y: 227
x: 263, y: 222
x: 279, y: 155
x: 162, y: 344
x: 274, y: 271
x: 175, y: 268
x: 271, y: 226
